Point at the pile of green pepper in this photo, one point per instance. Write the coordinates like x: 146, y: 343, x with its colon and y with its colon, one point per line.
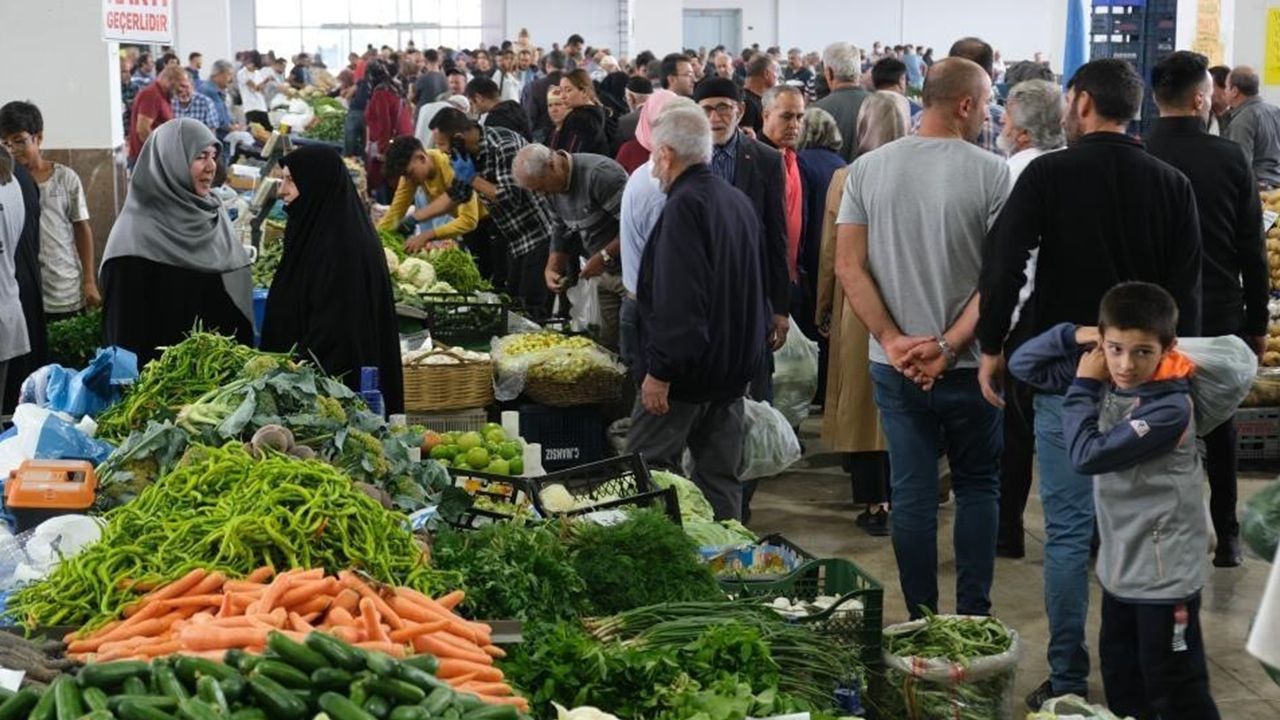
x: 958, y: 640
x: 222, y: 509
x: 290, y: 681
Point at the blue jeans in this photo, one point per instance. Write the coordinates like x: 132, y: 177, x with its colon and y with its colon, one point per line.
x: 1067, y: 497
x: 912, y: 419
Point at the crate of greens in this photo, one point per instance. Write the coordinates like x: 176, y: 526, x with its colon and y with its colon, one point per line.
x: 464, y: 320
x: 619, y: 482
x: 493, y: 497
x: 952, y: 666
x: 835, y: 598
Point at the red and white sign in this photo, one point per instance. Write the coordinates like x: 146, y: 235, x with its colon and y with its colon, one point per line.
x: 138, y: 21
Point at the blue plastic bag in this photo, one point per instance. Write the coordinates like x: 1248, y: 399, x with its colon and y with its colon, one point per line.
x: 86, y: 392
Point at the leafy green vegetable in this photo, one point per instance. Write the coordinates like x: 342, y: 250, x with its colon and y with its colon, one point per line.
x: 1260, y: 521
x: 693, y: 504
x: 75, y: 340
x: 328, y: 127
x: 270, y: 252
x: 718, y: 534
x: 457, y: 268
x: 644, y: 560
x: 138, y: 462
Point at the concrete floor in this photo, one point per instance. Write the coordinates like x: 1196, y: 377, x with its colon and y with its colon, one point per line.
x: 812, y: 506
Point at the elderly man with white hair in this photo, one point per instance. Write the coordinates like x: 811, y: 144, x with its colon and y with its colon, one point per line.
x: 585, y: 191
x: 702, y: 315
x: 842, y: 69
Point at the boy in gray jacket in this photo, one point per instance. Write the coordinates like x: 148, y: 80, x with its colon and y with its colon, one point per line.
x: 1128, y: 420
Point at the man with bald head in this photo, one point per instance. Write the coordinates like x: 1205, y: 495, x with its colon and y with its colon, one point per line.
x: 1101, y: 212
x: 908, y: 254
x: 1255, y: 125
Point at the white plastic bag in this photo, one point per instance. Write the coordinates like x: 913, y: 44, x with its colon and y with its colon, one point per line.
x: 769, y: 445
x: 933, y: 684
x: 584, y: 301
x: 1225, y: 370
x: 795, y: 376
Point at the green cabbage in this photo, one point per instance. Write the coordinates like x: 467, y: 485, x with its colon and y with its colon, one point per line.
x: 693, y: 504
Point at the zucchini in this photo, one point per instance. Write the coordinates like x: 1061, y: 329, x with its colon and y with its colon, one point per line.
x: 409, y: 712
x: 493, y: 712
x: 133, y: 686
x: 132, y: 709
x: 99, y: 715
x: 296, y: 654
x: 190, y: 669
x: 339, y: 653
x: 17, y: 707
x: 329, y: 678
x: 196, y: 709
x: 276, y: 700
x: 66, y: 698
x: 94, y: 698
x: 233, y: 688
x: 249, y: 714
x: 167, y: 682
x: 47, y: 708
x: 340, y: 708
x: 287, y: 675
x: 5, y: 694
x: 164, y: 704
x: 378, y: 707
x: 422, y: 679
x: 111, y: 674
x: 402, y: 693
x: 381, y: 664
x: 438, y: 700
x: 425, y: 661
x: 468, y: 702
x: 209, y: 691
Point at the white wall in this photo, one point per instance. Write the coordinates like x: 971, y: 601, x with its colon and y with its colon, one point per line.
x: 553, y: 22
x: 243, y: 30
x: 81, y: 108
x: 1249, y: 40
x: 759, y: 19
x: 203, y: 26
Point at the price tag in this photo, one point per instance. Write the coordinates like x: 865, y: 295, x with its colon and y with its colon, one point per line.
x: 1269, y: 218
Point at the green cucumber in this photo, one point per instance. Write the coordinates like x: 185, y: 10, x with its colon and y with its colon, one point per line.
x: 249, y: 714
x: 285, y: 674
x: 66, y: 698
x: 468, y: 702
x: 402, y: 693
x: 167, y: 682
x: 329, y: 678
x: 94, y: 698
x: 241, y: 660
x: 233, y: 688
x: 296, y: 654
x: 493, y: 712
x: 425, y: 662
x: 378, y: 707
x: 99, y: 715
x: 276, y: 700
x: 159, y: 702
x: 381, y: 664
x: 111, y: 674
x: 422, y: 679
x: 5, y: 694
x: 438, y: 700
x: 134, y: 686
x: 409, y: 712
x: 196, y: 709
x: 339, y: 653
x: 340, y: 708
x: 209, y: 691
x: 190, y: 669
x: 47, y: 708
x: 132, y: 709
x: 17, y: 707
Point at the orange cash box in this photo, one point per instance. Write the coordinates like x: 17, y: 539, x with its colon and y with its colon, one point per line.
x: 41, y: 489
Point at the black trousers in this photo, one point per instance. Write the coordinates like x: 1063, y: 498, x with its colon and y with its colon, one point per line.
x: 527, y: 281
x: 1220, y: 462
x: 869, y: 473
x: 1149, y: 670
x: 1016, y: 460
x: 489, y: 248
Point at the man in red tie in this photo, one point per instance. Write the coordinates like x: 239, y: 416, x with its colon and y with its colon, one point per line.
x: 783, y: 118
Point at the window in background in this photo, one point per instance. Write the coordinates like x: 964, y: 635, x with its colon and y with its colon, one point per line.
x: 335, y: 28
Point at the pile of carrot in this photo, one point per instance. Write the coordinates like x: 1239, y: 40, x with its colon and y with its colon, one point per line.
x: 205, y: 614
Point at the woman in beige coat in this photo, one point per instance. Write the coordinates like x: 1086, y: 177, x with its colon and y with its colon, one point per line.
x: 851, y: 422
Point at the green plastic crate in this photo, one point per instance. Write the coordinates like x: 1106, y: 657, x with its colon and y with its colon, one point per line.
x: 840, y: 623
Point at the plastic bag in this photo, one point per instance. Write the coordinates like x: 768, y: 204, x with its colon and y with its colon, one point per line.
x: 1072, y: 707
x: 795, y: 376
x: 85, y: 392
x: 34, y: 554
x: 1260, y: 521
x: 1225, y: 371
x: 982, y: 687
x: 584, y: 301
x: 547, y: 355
x: 40, y: 434
x: 769, y: 445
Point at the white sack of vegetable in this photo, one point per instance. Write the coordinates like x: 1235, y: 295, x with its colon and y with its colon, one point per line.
x: 1225, y: 370
x: 795, y: 376
x: 769, y: 445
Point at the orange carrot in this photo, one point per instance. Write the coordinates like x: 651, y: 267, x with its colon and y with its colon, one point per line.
x: 485, y: 688
x: 494, y: 651
x: 371, y: 621
x: 451, y: 601
x: 243, y: 586
x: 205, y: 638
x: 297, y: 623
x: 193, y: 601
x: 174, y: 589
x: 520, y: 703
x: 452, y: 668
x: 392, y: 649
x: 320, y: 603
x: 208, y: 584
x: 271, y: 597
x: 434, y: 645
x: 302, y: 592
x: 433, y: 610
x: 225, y: 607
x: 409, y: 632
x: 339, y: 617
x: 352, y: 582
x: 462, y: 679
x: 346, y: 633
x: 261, y: 575
x: 348, y: 599
x: 158, y: 649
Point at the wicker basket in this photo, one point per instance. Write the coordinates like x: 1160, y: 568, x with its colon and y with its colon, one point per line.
x: 467, y: 384
x: 597, y: 386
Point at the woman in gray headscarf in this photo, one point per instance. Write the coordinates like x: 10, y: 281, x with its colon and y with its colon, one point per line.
x: 172, y: 259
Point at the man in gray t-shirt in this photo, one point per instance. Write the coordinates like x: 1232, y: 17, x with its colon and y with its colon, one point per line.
x: 908, y: 254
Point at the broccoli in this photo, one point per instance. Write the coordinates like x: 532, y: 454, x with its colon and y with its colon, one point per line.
x: 329, y: 408
x: 260, y: 365
x: 363, y: 452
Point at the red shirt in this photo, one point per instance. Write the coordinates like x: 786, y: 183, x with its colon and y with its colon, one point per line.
x: 794, y: 205
x: 151, y: 102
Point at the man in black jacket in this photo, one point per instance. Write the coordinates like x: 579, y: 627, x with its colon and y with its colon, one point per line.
x: 487, y: 105
x: 702, y: 315
x: 1102, y: 211
x: 534, y: 95
x: 1231, y: 233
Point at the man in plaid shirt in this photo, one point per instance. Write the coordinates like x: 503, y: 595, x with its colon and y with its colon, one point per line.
x: 974, y: 49
x: 191, y: 104
x: 482, y: 160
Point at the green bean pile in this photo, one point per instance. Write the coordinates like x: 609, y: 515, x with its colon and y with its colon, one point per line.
x: 959, y: 640
x: 221, y: 509
x: 183, y: 373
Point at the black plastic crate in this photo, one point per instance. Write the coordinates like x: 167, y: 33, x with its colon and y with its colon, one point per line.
x: 461, y: 320
x: 615, y: 483
x: 496, y: 498
x: 569, y: 436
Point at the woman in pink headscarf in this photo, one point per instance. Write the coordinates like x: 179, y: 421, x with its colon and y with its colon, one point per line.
x: 635, y: 152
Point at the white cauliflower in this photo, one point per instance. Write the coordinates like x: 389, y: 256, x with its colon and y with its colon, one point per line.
x: 417, y: 272
x: 393, y: 262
